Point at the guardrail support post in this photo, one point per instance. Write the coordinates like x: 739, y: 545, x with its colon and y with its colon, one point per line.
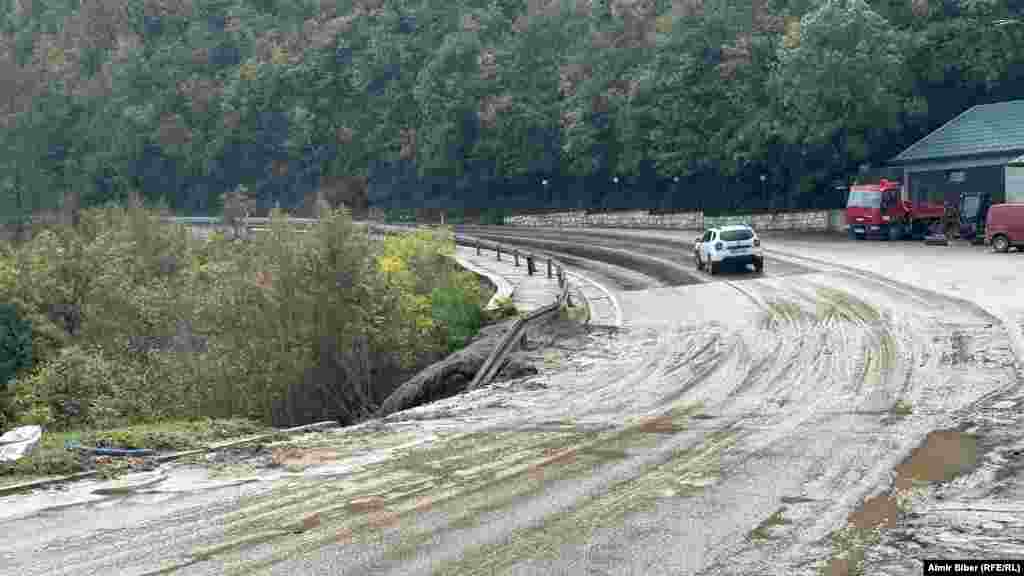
x: 477, y: 247
x: 515, y: 253
x: 529, y: 265
x: 549, y: 267
x: 498, y: 249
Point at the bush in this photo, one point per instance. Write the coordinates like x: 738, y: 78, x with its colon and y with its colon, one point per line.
x: 15, y: 356
x: 71, y: 385
x: 458, y: 312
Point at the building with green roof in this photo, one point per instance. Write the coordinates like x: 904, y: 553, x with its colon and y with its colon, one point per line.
x: 981, y: 150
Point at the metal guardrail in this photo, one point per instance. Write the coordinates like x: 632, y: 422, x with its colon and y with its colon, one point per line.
x: 218, y: 221
x: 496, y: 361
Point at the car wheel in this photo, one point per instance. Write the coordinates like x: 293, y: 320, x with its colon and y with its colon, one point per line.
x: 1001, y: 243
x: 714, y: 267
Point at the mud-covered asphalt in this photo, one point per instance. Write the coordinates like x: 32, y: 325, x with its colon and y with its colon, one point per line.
x: 731, y: 427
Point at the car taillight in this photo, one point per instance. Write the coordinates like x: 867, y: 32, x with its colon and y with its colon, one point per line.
x: 718, y: 245
x: 757, y: 241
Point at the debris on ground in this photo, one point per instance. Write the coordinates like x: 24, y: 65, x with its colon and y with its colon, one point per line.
x: 447, y: 377
x: 110, y: 451
x: 19, y: 442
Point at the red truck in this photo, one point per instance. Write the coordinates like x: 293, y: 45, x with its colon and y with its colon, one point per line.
x: 879, y: 210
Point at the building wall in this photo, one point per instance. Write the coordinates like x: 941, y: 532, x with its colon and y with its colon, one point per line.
x: 939, y: 186
x: 1015, y: 183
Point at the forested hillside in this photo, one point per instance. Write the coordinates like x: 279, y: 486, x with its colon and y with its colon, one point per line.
x: 714, y: 103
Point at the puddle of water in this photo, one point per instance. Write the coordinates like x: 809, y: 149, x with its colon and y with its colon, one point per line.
x: 944, y: 455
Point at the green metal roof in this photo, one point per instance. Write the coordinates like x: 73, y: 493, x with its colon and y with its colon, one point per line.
x: 981, y: 130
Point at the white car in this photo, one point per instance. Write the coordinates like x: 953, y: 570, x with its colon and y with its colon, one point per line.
x: 729, y: 245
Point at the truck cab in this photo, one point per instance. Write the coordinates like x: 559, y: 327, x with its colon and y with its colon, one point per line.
x: 878, y: 210
x: 870, y: 208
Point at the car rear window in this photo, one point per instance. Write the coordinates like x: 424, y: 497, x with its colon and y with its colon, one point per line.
x: 734, y: 235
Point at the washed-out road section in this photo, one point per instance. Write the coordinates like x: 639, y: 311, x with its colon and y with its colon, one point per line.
x: 730, y: 427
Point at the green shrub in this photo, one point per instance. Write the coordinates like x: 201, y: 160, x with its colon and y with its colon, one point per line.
x: 458, y: 313
x: 71, y: 384
x: 505, y: 308
x: 15, y: 356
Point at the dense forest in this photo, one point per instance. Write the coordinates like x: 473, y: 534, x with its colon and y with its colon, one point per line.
x: 516, y: 104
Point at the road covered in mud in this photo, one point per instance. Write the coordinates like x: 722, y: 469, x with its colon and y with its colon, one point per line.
x: 732, y: 426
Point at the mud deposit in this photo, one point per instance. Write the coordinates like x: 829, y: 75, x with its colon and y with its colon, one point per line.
x: 729, y: 428
x: 945, y: 455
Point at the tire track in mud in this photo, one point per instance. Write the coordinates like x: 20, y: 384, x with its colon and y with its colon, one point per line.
x: 905, y: 363
x: 891, y: 361
x: 658, y: 362
x: 769, y: 388
x: 667, y: 271
x: 334, y: 505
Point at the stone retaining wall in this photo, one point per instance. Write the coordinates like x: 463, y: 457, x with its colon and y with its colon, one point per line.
x: 624, y: 219
x: 811, y: 220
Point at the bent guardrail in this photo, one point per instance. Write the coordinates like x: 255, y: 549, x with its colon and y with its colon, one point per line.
x: 496, y: 360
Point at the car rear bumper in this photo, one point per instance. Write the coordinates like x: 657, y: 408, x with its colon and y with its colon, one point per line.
x: 739, y: 258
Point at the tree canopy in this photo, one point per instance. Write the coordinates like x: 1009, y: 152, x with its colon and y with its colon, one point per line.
x: 714, y: 103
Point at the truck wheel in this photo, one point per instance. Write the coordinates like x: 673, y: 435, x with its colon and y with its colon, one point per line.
x: 1000, y: 243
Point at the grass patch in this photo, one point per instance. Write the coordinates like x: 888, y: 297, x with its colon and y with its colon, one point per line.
x: 844, y: 306
x: 781, y: 312
x: 52, y: 458
x: 579, y: 314
x: 848, y: 547
x: 763, y: 530
x: 902, y: 408
x: 504, y: 308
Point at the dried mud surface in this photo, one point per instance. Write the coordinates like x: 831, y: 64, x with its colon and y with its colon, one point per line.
x: 728, y: 428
